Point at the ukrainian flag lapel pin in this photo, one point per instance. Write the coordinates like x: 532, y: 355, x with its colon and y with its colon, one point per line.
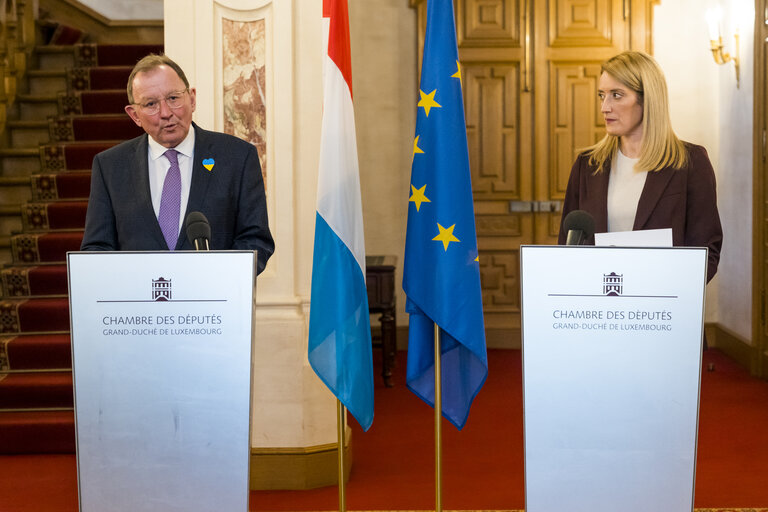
x: 208, y: 164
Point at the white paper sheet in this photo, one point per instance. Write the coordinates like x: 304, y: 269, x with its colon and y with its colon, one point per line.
x: 642, y: 238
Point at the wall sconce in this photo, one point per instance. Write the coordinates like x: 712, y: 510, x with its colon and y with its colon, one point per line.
x: 714, y: 19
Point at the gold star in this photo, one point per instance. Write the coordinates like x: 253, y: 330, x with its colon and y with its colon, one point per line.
x: 428, y: 101
x: 478, y: 258
x: 418, y: 196
x: 416, y: 148
x: 457, y: 74
x: 446, y: 236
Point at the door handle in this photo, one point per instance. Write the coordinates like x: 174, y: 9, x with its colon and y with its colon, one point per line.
x: 535, y: 206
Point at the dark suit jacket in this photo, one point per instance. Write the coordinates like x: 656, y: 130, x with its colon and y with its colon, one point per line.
x: 683, y: 199
x: 120, y: 216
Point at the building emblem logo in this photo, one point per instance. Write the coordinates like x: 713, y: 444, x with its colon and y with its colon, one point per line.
x: 161, y: 289
x: 613, y: 284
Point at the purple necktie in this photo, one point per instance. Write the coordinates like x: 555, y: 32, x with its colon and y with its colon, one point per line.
x: 170, y: 201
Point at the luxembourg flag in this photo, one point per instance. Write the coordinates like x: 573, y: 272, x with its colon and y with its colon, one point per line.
x: 339, y: 324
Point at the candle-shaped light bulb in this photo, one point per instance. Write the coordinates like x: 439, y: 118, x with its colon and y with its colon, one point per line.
x: 714, y: 15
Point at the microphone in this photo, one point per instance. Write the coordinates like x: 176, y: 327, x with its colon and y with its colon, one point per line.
x: 198, y: 230
x: 580, y: 225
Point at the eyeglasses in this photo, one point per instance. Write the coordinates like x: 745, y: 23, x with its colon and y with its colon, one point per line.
x: 174, y: 100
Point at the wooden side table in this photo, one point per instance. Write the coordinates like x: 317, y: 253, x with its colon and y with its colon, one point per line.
x: 380, y: 281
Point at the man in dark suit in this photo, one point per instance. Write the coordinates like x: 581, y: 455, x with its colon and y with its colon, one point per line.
x: 143, y: 189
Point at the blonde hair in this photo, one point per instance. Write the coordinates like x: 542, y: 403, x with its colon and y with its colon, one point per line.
x: 660, y: 146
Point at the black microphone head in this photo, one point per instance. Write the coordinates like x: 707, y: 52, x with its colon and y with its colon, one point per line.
x: 197, y: 227
x: 579, y: 220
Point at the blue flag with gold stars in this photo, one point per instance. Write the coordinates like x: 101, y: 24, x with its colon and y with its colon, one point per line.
x: 442, y: 275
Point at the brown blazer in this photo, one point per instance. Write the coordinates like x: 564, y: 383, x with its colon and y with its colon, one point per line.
x: 683, y: 199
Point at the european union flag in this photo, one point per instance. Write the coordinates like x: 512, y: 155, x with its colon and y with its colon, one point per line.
x: 442, y: 275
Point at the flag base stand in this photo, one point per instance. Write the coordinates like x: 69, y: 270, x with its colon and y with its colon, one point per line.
x: 341, y: 427
x: 438, y: 426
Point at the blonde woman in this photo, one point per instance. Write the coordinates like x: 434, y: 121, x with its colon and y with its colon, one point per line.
x: 640, y: 175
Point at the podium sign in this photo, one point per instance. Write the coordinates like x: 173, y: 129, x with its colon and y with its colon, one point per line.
x: 612, y: 343
x: 161, y: 355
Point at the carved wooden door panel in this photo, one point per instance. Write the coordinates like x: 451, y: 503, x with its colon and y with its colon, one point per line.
x: 529, y: 71
x: 573, y: 38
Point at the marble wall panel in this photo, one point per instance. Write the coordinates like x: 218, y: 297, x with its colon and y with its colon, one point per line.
x: 244, y: 83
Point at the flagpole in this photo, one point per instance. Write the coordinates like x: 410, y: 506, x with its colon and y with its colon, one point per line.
x: 340, y: 410
x: 438, y: 426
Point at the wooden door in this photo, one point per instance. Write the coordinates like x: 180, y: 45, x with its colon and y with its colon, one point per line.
x: 530, y: 70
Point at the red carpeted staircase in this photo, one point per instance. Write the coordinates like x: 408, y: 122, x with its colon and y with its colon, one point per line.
x: 73, y: 109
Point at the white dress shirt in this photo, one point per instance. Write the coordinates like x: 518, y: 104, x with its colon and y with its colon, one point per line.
x: 158, y: 168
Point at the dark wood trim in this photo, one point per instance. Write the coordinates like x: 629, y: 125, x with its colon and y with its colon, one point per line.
x: 759, y: 169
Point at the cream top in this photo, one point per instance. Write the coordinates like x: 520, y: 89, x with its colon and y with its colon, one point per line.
x: 624, y: 188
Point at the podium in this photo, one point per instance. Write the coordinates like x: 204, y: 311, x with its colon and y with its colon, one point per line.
x: 612, y: 346
x: 161, y: 357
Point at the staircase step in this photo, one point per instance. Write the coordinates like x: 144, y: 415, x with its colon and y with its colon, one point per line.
x: 34, y: 315
x: 62, y: 185
x: 48, y: 247
x: 53, y: 215
x: 36, y: 390
x: 93, y: 102
x: 7, y: 210
x: 27, y: 281
x: 19, y: 152
x: 113, y: 54
x: 36, y: 351
x: 14, y: 189
x: 20, y: 161
x: 13, y: 181
x: 5, y: 249
x: 46, y: 81
x: 55, y: 56
x: 66, y: 35
x: 37, y: 432
x: 71, y: 156
x: 28, y: 133
x: 10, y: 218
x: 37, y: 106
x: 93, y: 128
x: 89, y: 78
